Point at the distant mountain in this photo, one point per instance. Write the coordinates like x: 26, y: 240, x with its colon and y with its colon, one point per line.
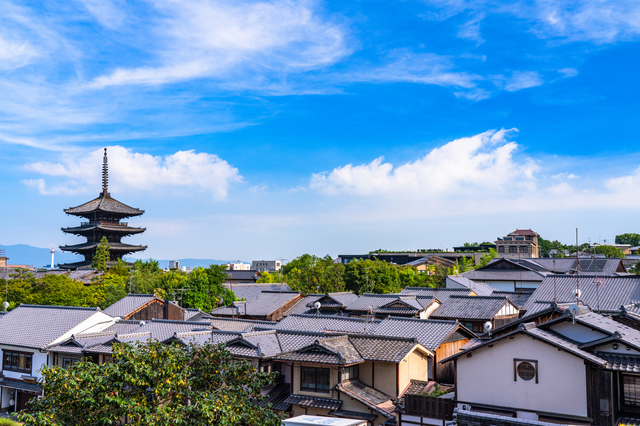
x: 22, y: 254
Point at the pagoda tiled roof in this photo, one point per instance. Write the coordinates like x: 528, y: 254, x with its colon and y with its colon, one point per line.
x: 123, y: 229
x: 104, y: 203
x: 121, y: 247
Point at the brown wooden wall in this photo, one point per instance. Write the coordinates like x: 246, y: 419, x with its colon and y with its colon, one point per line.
x: 158, y: 309
x: 444, y: 372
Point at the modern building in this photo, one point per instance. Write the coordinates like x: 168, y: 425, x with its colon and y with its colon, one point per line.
x: 519, y: 244
x: 104, y: 215
x: 266, y: 265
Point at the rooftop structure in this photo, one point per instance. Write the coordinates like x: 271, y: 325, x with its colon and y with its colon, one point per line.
x: 521, y: 243
x: 104, y: 214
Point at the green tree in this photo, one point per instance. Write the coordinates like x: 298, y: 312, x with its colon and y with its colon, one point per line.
x: 102, y: 255
x: 609, y: 251
x: 633, y: 239
x: 486, y: 258
x: 205, y: 289
x: 154, y: 384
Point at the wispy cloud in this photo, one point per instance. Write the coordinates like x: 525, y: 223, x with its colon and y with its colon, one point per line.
x: 519, y: 80
x: 138, y: 171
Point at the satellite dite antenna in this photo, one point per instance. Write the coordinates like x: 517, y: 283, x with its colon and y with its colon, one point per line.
x: 578, y: 293
x: 574, y: 310
x: 317, y: 305
x: 487, y: 328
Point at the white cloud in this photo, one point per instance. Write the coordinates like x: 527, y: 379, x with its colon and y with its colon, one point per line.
x: 470, y: 30
x: 629, y: 184
x: 482, y: 161
x: 520, y: 80
x: 209, y: 39
x: 16, y: 54
x: 131, y: 170
x: 568, y: 72
x: 598, y: 21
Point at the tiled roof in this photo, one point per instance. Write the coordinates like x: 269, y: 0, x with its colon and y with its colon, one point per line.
x: 313, y: 402
x: 236, y: 324
x: 129, y: 304
x: 372, y: 398
x: 293, y: 340
x: 104, y: 203
x: 258, y: 344
x: 123, y: 327
x: 326, y: 323
x: 163, y: 329
x: 442, y: 294
x: 344, y: 297
x: 382, y: 348
x: 470, y: 308
x: 475, y: 418
x: 410, y: 304
x: 329, y: 350
x: 503, y: 275
x: 518, y: 298
x: 606, y: 294
x: 262, y: 305
x: 120, y: 247
x: 429, y: 333
x: 628, y: 421
x: 248, y: 276
x: 34, y: 326
x: 626, y: 364
x: 276, y: 397
x: 302, y: 307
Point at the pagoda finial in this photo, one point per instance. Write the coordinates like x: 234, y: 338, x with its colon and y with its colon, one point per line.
x: 105, y: 173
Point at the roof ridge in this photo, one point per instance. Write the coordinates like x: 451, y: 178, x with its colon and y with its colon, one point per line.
x: 390, y: 317
x: 332, y: 317
x: 460, y: 296
x: 281, y: 292
x: 23, y: 305
x: 178, y: 321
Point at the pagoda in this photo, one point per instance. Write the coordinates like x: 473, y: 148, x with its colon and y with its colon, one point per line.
x: 104, y: 215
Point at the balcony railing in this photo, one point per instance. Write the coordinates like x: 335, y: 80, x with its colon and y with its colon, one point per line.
x: 429, y: 406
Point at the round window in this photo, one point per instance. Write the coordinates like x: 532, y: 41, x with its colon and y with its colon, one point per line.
x: 526, y: 371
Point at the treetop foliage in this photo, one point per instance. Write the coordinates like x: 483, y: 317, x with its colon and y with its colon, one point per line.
x: 154, y: 384
x: 632, y: 239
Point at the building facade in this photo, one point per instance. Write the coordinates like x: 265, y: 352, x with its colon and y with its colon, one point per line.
x: 519, y: 244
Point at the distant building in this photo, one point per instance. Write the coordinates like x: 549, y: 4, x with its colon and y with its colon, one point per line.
x: 266, y: 265
x: 6, y: 269
x: 238, y: 266
x: 519, y: 244
x: 174, y: 264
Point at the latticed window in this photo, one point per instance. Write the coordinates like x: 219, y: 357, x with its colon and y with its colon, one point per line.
x: 631, y: 390
x: 315, y: 379
x: 16, y: 361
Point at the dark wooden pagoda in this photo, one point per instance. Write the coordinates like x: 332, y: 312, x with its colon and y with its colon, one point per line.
x: 104, y: 215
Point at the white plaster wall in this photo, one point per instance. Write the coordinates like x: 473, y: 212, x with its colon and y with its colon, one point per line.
x: 487, y: 378
x: 508, y: 309
x: 502, y: 285
x: 37, y: 361
x: 94, y: 324
x: 577, y: 332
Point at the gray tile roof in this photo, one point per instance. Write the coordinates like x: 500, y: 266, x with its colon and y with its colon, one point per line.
x: 34, y: 326
x: 626, y: 364
x: 329, y: 350
x: 376, y: 302
x: 518, y: 298
x: 314, y: 402
x: 276, y: 397
x: 248, y: 291
x: 481, y: 308
x: 163, y: 329
x: 382, y: 348
x: 265, y: 304
x: 123, y: 327
x: 302, y: 306
x: 608, y: 296
x: 504, y: 275
x: 129, y: 304
x: 236, y: 324
x: 326, y: 323
x: 429, y: 333
x: 293, y: 340
x: 372, y: 398
x: 442, y: 294
x: 105, y: 203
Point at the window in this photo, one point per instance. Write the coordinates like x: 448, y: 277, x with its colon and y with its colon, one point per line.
x: 349, y: 373
x: 500, y: 249
x: 17, y: 361
x: 68, y: 362
x: 525, y: 369
x: 523, y: 249
x: 513, y: 249
x: 315, y: 379
x: 631, y: 390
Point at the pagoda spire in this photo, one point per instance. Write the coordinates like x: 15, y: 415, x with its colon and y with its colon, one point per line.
x: 105, y: 173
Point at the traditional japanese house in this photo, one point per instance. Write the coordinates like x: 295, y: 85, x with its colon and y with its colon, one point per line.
x: 104, y: 215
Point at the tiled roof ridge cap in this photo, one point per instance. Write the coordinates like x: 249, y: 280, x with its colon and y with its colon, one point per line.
x: 428, y: 320
x: 436, y: 288
x: 258, y: 333
x: 382, y: 336
x: 140, y: 333
x: 281, y: 292
x: 241, y: 320
x: 333, y: 317
x: 140, y: 295
x: 461, y: 296
x: 158, y: 320
x: 83, y: 308
x: 98, y: 334
x: 527, y: 326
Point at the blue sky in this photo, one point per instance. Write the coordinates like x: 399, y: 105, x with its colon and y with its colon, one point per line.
x: 268, y: 129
